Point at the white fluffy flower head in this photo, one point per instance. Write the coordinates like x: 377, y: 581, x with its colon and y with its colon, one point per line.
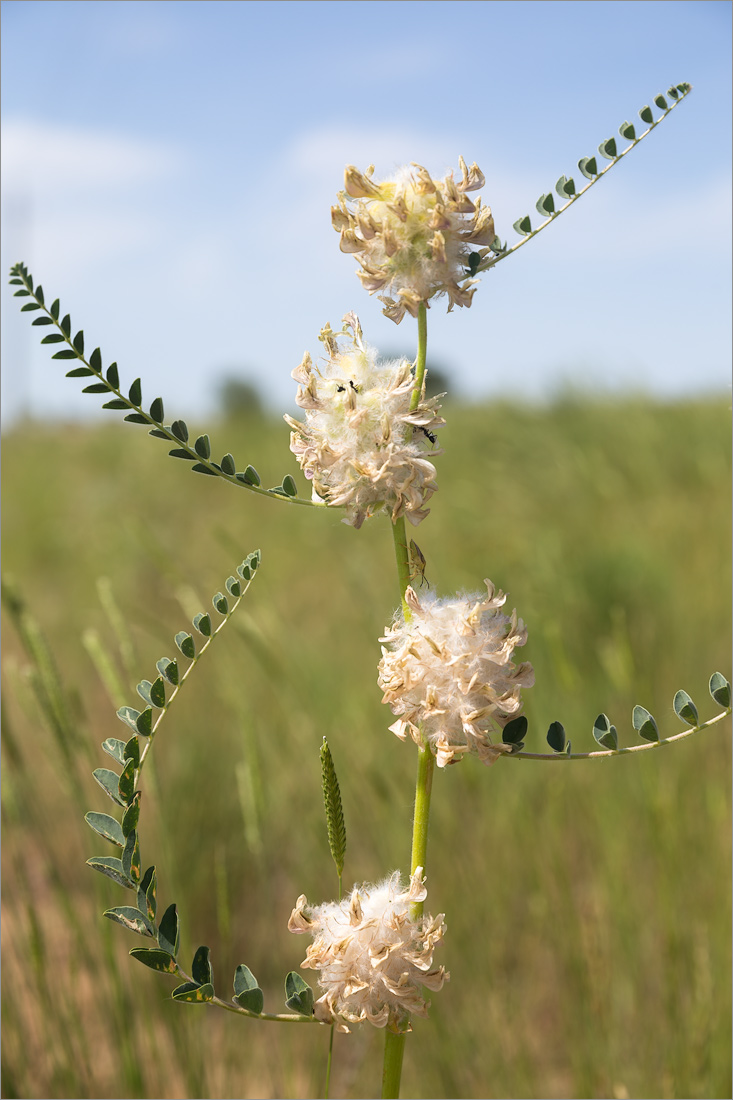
x: 372, y: 956
x: 413, y: 235
x: 448, y: 670
x: 361, y: 444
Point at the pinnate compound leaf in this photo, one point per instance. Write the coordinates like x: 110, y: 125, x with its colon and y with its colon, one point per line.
x: 193, y: 994
x: 113, y: 376
x: 661, y: 102
x: 645, y: 114
x: 53, y: 338
x: 159, y: 433
x: 180, y: 430
x: 684, y: 708
x: 589, y: 167
x: 565, y: 187
x: 720, y: 689
x: 556, y: 737
x: 644, y: 723
x: 228, y: 465
x: 55, y: 309
x: 523, y: 225
x: 78, y: 341
x: 65, y: 355
x: 607, y: 149
x: 116, y: 403
x: 65, y: 326
x: 199, y: 469
x: 82, y: 372
x: 155, y: 959
x: 545, y: 205
x: 95, y: 362
x: 112, y: 867
x: 178, y: 452
x: 604, y: 733
x: 106, y: 826
x: 186, y: 644
x: 201, y: 970
x: 627, y: 131
x: 169, y: 930
x: 136, y: 418
x: 109, y: 782
x: 135, y: 394
x: 43, y: 321
x: 298, y: 994
x: 131, y: 918
x: 289, y: 487
x: 156, y: 411
x: 98, y: 387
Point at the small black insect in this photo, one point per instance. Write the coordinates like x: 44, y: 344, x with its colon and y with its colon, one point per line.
x: 430, y: 435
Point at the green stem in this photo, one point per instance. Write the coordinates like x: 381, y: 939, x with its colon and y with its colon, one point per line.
x: 422, y: 350
x: 394, y: 1043
x: 394, y: 1048
x: 421, y: 816
x: 328, y: 1064
x: 403, y: 561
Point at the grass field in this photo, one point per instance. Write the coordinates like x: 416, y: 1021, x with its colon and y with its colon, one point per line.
x: 587, y: 903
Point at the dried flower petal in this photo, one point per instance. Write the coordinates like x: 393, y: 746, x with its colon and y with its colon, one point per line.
x: 372, y: 956
x: 413, y: 235
x: 361, y: 444
x: 447, y: 671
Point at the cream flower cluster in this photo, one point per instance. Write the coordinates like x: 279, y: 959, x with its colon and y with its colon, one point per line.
x: 448, y: 669
x: 361, y: 444
x: 413, y: 235
x: 372, y: 957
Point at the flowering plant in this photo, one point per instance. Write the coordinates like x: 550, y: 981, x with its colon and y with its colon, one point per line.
x: 448, y: 671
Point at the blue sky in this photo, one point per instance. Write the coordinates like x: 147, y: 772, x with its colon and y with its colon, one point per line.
x: 168, y: 170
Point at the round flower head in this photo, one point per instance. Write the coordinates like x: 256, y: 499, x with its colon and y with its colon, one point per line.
x: 372, y: 957
x: 361, y: 444
x: 413, y: 235
x: 448, y: 671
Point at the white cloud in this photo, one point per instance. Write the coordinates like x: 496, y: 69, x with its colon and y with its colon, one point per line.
x: 41, y: 156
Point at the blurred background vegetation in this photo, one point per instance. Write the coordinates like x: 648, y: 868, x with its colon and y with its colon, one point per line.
x: 588, y: 903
